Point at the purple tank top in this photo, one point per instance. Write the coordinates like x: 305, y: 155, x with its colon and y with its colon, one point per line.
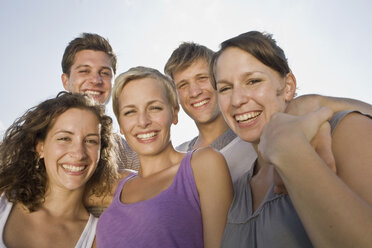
x: 170, y: 219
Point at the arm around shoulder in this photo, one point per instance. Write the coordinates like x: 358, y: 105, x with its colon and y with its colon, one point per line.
x: 307, y: 103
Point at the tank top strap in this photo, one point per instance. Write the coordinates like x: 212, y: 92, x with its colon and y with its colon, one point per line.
x: 121, y: 185
x: 184, y: 179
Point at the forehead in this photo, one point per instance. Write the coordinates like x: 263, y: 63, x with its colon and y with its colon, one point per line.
x: 141, y: 90
x: 199, y: 66
x: 235, y: 60
x: 76, y: 118
x: 92, y: 58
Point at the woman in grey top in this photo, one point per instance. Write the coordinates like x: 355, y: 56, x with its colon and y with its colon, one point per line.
x: 322, y: 208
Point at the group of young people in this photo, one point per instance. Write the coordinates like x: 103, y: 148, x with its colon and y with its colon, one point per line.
x: 266, y: 170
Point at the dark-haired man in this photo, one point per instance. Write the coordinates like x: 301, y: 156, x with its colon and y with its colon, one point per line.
x: 89, y: 66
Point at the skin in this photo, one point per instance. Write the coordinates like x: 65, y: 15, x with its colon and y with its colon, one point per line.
x: 325, y: 209
x: 197, y: 96
x: 145, y: 122
x: 90, y: 73
x: 73, y: 140
x: 144, y: 109
x: 250, y: 92
x: 199, y: 100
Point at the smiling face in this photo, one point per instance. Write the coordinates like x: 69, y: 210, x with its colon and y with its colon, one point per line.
x: 145, y: 116
x: 90, y: 73
x: 249, y: 92
x: 197, y: 96
x: 71, y: 149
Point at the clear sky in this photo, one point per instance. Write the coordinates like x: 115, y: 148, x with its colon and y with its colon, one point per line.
x: 328, y: 43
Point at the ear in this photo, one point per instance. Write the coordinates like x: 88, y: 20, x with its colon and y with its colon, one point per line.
x: 175, y: 115
x: 290, y: 87
x: 64, y: 78
x: 40, y: 148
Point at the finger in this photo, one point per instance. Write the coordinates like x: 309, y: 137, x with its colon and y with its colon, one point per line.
x: 321, y: 115
x: 323, y: 146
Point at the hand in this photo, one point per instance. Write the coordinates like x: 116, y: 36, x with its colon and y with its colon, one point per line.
x: 281, y: 134
x: 322, y: 143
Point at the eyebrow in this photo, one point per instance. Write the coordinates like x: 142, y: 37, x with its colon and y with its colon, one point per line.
x: 244, y: 75
x: 71, y: 133
x: 202, y: 74
x: 133, y: 106
x: 197, y: 75
x: 84, y: 66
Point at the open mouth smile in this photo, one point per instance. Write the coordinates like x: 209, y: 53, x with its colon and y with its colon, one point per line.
x: 146, y: 136
x: 201, y: 103
x: 247, y: 117
x: 73, y: 168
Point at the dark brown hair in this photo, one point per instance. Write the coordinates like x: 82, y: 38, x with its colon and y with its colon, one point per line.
x: 261, y: 46
x: 23, y: 176
x: 87, y: 41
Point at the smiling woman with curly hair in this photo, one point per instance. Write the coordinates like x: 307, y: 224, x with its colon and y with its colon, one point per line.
x: 49, y: 158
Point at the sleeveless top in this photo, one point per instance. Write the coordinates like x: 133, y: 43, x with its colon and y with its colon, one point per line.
x: 170, y: 219
x: 86, y: 239
x: 274, y: 224
x: 126, y: 159
x: 234, y: 149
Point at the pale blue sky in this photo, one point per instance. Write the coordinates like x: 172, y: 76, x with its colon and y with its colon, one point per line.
x: 327, y: 42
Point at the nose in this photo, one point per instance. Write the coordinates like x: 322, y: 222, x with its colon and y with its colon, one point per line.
x: 96, y: 78
x: 143, y: 120
x: 194, y: 89
x: 239, y: 97
x: 78, y: 150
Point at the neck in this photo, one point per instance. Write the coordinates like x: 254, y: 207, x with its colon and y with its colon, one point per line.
x: 65, y: 203
x: 209, y: 132
x: 151, y: 164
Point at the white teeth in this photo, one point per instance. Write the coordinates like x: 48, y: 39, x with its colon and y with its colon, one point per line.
x: 90, y: 92
x: 248, y: 116
x: 73, y: 168
x: 146, y: 135
x: 200, y: 103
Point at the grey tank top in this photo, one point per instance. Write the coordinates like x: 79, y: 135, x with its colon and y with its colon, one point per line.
x: 274, y: 224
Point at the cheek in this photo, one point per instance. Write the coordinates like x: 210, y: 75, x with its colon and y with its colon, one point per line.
x: 108, y: 83
x: 182, y: 96
x: 223, y: 104
x: 96, y: 154
x: 125, y: 125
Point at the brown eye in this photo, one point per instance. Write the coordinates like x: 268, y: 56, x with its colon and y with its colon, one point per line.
x: 254, y: 81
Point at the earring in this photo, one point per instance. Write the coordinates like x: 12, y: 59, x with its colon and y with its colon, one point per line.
x: 37, y: 166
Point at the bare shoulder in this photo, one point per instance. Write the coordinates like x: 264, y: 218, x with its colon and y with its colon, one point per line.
x: 209, y: 161
x: 351, y: 146
x: 206, y: 154
x: 353, y: 124
x: 352, y: 137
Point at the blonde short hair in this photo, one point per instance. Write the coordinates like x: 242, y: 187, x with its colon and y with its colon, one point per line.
x: 140, y: 72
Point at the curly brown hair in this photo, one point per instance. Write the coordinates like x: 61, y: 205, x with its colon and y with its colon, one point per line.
x: 23, y: 177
